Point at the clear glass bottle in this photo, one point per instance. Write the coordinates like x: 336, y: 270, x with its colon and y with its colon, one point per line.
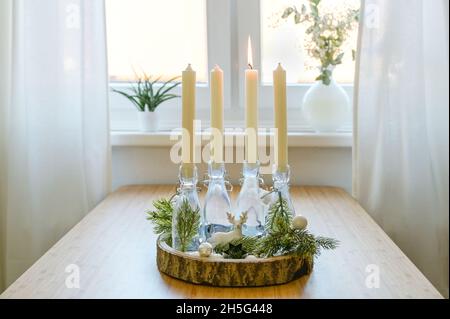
x: 187, y: 197
x: 217, y: 201
x: 249, y: 200
x: 280, y: 178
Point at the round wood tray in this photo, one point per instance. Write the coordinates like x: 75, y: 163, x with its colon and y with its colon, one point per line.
x: 213, y: 271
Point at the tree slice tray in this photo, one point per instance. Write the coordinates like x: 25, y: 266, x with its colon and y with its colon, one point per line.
x: 214, y: 271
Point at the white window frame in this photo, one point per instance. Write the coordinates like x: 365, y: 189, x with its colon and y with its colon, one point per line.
x: 229, y: 23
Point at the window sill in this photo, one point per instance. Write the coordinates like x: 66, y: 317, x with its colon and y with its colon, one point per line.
x: 295, y: 139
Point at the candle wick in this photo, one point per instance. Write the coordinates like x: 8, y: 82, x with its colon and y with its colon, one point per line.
x: 250, y: 66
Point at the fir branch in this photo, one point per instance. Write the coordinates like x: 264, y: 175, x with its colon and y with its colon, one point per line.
x: 187, y: 224
x: 293, y: 242
x: 282, y: 239
x: 279, y: 216
x: 248, y: 245
x: 326, y: 243
x: 161, y: 217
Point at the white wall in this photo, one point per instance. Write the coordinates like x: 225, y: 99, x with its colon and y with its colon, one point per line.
x: 330, y: 166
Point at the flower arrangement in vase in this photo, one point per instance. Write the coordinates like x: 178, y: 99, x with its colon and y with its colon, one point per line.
x: 326, y: 104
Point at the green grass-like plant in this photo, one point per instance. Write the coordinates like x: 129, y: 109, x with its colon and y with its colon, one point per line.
x: 146, y: 97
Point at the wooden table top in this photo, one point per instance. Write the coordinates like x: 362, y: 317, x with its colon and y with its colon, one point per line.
x: 113, y: 248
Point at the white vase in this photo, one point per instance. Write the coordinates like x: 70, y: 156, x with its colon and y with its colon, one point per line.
x: 326, y: 107
x: 148, y: 121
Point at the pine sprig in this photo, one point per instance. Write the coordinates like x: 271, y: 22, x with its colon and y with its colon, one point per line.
x: 248, y: 245
x: 282, y: 239
x: 279, y: 216
x: 161, y: 217
x: 187, y: 224
x: 295, y: 242
x: 326, y: 243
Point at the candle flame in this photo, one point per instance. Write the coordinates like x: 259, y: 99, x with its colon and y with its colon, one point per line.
x: 249, y: 53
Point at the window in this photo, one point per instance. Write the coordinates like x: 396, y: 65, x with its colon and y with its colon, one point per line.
x: 161, y: 37
x: 283, y: 40
x: 158, y: 37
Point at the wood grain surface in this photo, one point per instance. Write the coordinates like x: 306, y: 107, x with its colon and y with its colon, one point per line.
x: 222, y: 272
x: 114, y: 250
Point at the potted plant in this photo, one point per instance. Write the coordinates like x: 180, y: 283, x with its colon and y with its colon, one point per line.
x: 325, y: 104
x: 147, y: 98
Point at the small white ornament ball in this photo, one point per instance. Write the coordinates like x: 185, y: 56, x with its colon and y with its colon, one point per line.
x: 205, y: 249
x: 251, y: 257
x: 299, y: 222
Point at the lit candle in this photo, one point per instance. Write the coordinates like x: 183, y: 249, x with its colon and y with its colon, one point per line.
x: 188, y: 116
x: 281, y: 147
x: 217, y: 115
x: 251, y: 109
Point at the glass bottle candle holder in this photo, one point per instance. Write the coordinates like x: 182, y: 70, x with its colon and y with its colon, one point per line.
x: 280, y: 178
x: 217, y: 201
x: 187, y: 220
x: 249, y: 200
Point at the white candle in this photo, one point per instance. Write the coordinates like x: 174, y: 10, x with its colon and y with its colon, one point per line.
x: 217, y: 115
x: 251, y: 109
x: 188, y: 116
x: 280, y: 114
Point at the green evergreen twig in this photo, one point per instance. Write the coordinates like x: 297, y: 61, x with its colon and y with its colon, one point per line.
x: 161, y: 217
x: 279, y: 216
x: 246, y: 245
x: 187, y: 224
x: 280, y: 239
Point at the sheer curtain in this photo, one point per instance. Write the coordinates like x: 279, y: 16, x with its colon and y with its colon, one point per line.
x: 5, y: 75
x: 401, y: 153
x: 56, y: 154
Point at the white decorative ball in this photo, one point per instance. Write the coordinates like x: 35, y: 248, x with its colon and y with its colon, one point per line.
x: 299, y: 222
x: 205, y: 249
x: 251, y: 257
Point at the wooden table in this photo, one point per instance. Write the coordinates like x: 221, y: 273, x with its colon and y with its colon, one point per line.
x: 114, y: 249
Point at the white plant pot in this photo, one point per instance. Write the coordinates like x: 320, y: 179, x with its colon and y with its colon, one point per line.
x: 326, y: 107
x: 148, y: 121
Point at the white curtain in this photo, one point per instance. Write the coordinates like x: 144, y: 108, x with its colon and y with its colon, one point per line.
x: 56, y: 154
x: 5, y: 75
x: 401, y: 153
